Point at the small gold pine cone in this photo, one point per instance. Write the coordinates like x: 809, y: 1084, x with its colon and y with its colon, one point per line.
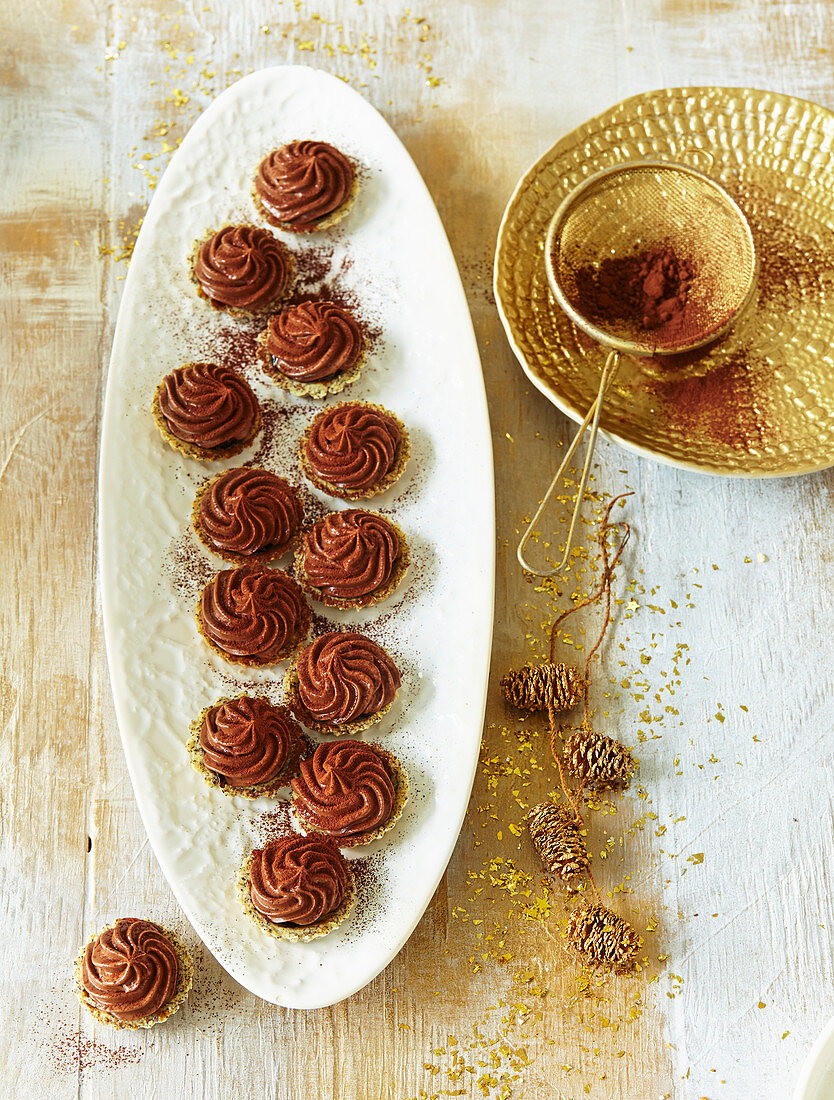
x: 534, y: 686
x: 557, y: 840
x: 600, y: 761
x: 601, y: 939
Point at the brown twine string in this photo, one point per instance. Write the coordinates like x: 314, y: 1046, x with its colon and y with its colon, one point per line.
x: 608, y: 568
x: 604, y: 589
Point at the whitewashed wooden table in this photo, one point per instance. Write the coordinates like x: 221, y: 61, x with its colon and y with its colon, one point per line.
x: 93, y: 98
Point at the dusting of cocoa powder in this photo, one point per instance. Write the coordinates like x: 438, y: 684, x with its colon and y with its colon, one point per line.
x: 727, y: 399
x: 64, y: 1047
x: 369, y: 877
x: 721, y: 404
x: 272, y: 824
x: 234, y: 348
x: 188, y: 567
x: 650, y: 289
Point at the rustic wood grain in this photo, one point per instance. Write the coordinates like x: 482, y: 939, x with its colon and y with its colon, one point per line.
x: 87, y: 90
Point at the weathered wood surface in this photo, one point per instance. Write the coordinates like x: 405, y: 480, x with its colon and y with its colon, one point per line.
x: 87, y: 90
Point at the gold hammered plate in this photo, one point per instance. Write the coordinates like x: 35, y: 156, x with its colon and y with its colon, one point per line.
x: 761, y: 402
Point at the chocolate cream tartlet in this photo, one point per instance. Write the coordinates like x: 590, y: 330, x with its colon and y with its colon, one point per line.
x: 243, y: 270
x: 246, y: 745
x: 206, y: 411
x: 305, y: 186
x: 354, y: 450
x: 342, y: 683
x: 349, y: 791
x: 313, y: 348
x: 247, y: 515
x: 253, y: 615
x: 297, y: 887
x: 133, y: 974
x: 351, y: 559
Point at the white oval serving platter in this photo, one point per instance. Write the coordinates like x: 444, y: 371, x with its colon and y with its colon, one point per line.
x: 816, y: 1078
x: 391, y: 256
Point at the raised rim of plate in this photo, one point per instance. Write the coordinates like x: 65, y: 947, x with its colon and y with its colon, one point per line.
x: 819, y: 1058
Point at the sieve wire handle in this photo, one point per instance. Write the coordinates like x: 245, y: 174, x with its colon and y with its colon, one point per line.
x: 592, y: 418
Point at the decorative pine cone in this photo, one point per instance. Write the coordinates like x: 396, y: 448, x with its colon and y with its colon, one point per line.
x: 557, y: 840
x: 534, y: 686
x: 600, y: 761
x: 601, y: 939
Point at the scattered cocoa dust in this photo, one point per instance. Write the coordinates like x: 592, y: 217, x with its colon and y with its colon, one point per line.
x: 64, y: 1047
x: 188, y: 567
x: 272, y: 824
x: 725, y: 404
x: 234, y: 348
x: 368, y: 874
x: 282, y: 427
x: 322, y: 625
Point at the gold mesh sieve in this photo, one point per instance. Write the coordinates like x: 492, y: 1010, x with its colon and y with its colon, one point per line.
x: 624, y: 210
x: 609, y: 222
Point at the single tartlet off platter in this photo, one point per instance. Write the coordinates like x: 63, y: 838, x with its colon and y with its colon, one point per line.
x: 390, y: 257
x: 760, y: 401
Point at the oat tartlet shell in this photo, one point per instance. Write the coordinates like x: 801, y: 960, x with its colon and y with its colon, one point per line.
x: 268, y: 789
x: 191, y: 450
x: 317, y: 390
x: 236, y: 311
x: 327, y: 222
x: 346, y: 729
x: 297, y: 932
x: 261, y: 557
x: 357, y: 604
x: 400, y: 778
x: 394, y: 474
x: 185, y: 976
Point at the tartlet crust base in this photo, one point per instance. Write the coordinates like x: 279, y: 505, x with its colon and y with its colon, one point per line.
x: 238, y: 311
x: 303, y: 715
x: 356, y: 603
x: 291, y: 647
x: 192, y: 450
x: 316, y: 390
x: 400, y: 778
x: 327, y: 222
x: 297, y: 932
x: 340, y: 491
x: 270, y: 787
x: 185, y: 977
x: 262, y: 557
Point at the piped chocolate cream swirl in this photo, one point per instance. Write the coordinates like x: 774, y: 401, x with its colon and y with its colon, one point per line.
x: 247, y: 740
x: 249, y: 512
x: 313, y: 341
x: 130, y: 970
x: 207, y: 405
x: 344, y: 677
x: 351, y: 554
x: 298, y: 880
x: 253, y: 614
x: 243, y: 267
x: 303, y: 183
x: 345, y: 789
x: 352, y: 446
